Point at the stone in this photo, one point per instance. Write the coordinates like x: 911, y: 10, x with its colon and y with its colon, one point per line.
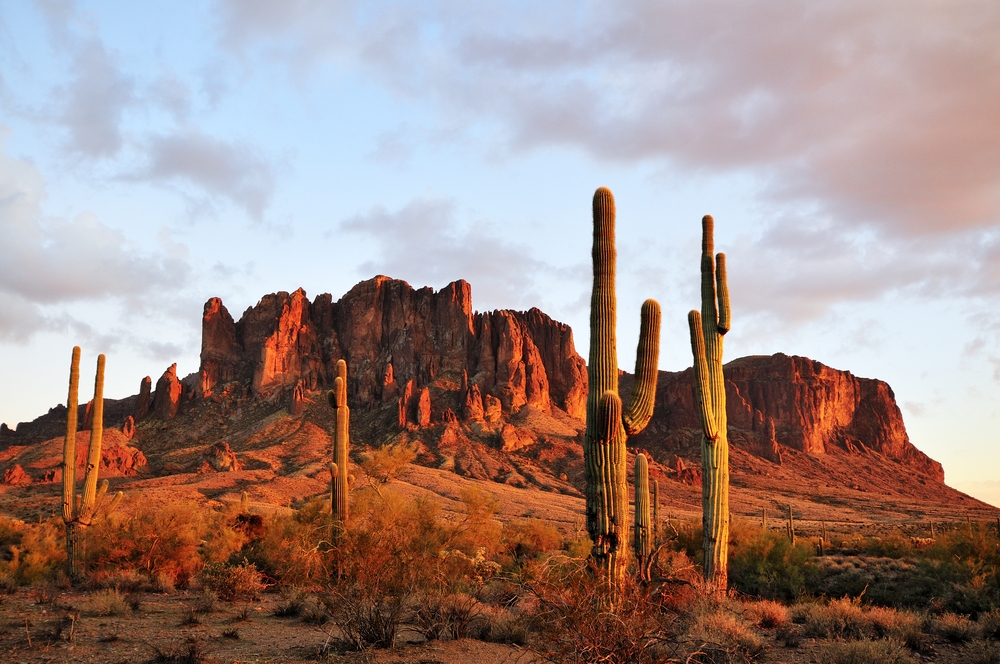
x: 423, y: 418
x: 221, y: 458
x: 15, y: 476
x: 167, y: 399
x: 128, y: 427
x: 812, y: 407
x: 142, y: 402
x: 472, y: 408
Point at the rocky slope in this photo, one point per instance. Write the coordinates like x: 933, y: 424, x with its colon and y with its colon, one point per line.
x: 494, y: 397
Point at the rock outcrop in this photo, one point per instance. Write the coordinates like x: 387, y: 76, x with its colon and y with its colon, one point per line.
x: 793, y: 402
x: 392, y: 335
x: 167, y: 400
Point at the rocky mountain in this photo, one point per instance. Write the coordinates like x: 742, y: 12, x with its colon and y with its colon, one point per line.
x: 492, y: 396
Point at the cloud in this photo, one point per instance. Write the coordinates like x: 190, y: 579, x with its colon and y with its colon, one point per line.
x: 95, y: 101
x: 425, y: 243
x: 231, y: 170
x: 878, y: 114
x: 48, y: 261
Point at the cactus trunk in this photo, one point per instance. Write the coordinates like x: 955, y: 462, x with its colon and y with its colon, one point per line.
x: 607, y: 425
x: 341, y: 442
x: 707, y: 330
x: 79, y: 510
x: 643, y: 542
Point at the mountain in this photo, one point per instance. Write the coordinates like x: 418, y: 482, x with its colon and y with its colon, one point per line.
x: 484, y: 398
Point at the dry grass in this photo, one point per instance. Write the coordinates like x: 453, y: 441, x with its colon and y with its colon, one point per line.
x: 723, y: 636
x: 109, y: 602
x: 883, y: 651
x: 955, y: 628
x: 767, y: 614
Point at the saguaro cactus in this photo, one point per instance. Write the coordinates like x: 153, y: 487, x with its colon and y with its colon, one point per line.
x: 341, y: 440
x: 707, y: 330
x: 644, y: 529
x: 607, y: 424
x: 78, y: 511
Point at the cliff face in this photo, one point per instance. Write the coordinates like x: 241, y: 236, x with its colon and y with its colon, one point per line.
x: 811, y: 407
x: 392, y: 335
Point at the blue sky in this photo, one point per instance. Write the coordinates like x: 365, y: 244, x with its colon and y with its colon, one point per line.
x: 153, y: 155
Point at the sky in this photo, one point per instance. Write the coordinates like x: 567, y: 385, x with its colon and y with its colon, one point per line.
x: 155, y: 154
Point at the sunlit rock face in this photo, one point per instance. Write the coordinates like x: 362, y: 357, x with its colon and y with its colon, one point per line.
x: 814, y: 409
x: 391, y: 334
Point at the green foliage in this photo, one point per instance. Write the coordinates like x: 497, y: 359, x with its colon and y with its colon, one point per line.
x: 767, y: 564
x: 31, y: 553
x: 528, y: 538
x: 233, y: 582
x: 167, y: 543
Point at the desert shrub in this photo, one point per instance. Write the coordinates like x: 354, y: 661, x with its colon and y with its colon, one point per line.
x: 454, y: 615
x: 982, y: 652
x: 173, y: 540
x: 293, y: 550
x: 384, y: 464
x: 233, y: 582
x: 885, y: 651
x: 395, y: 552
x: 109, y: 602
x: 576, y: 623
x: 530, y: 537
x: 31, y: 553
x: 766, y: 563
x: 767, y: 614
x: 723, y: 636
x: 955, y: 628
x: 500, y: 625
x: 989, y: 624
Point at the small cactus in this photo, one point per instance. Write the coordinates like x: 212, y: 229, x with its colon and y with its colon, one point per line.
x: 341, y: 440
x: 608, y: 424
x: 78, y: 510
x: 643, y: 541
x: 707, y: 329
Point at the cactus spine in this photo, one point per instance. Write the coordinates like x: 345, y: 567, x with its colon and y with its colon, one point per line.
x: 341, y: 440
x: 78, y: 511
x: 607, y: 424
x: 643, y: 543
x: 707, y: 330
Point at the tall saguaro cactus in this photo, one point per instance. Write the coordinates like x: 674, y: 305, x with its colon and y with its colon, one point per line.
x: 341, y: 440
x: 644, y: 528
x: 608, y: 425
x: 707, y: 330
x: 78, y: 511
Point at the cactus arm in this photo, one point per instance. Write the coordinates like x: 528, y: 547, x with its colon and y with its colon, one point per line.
x: 642, y: 543
x: 722, y: 290
x: 115, y: 502
x: 96, y: 435
x: 709, y: 310
x: 640, y: 407
x: 703, y: 393
x: 69, y: 446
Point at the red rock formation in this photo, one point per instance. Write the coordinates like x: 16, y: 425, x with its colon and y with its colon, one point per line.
x: 220, y: 458
x: 424, y: 408
x: 167, y: 399
x: 297, y: 405
x: 141, y: 409
x: 128, y: 427
x: 391, y: 334
x: 220, y: 351
x: 813, y: 408
x: 472, y: 408
x: 15, y: 476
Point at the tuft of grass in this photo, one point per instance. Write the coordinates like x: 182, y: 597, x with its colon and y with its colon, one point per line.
x: 982, y: 652
x: 989, y: 624
x: 724, y: 636
x: 231, y: 633
x: 955, y: 628
x: 109, y: 602
x: 191, y: 652
x: 883, y: 651
x: 207, y: 602
x: 293, y: 604
x: 190, y: 618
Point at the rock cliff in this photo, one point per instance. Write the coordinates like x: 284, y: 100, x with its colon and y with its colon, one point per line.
x: 794, y: 401
x: 390, y: 335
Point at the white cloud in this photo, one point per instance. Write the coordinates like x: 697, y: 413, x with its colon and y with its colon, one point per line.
x: 48, y: 261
